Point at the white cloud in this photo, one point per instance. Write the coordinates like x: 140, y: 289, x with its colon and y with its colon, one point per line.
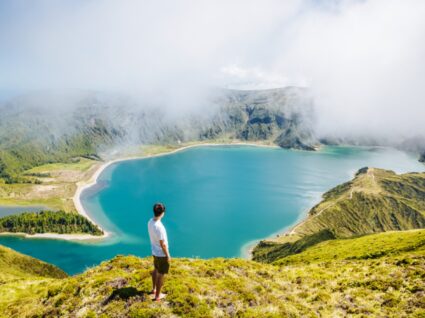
x: 363, y: 60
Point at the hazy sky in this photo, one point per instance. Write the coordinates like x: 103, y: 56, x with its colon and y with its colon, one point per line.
x: 363, y: 60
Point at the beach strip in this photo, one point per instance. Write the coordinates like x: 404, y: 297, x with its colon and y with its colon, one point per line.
x: 83, y: 185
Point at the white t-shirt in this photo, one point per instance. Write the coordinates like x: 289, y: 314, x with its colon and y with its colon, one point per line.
x: 156, y: 233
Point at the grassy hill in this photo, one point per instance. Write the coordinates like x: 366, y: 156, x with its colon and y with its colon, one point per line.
x: 374, y: 201
x: 375, y: 275
x: 23, y: 278
x: 15, y: 265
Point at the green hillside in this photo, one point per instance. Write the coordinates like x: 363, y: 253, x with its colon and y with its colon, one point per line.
x: 22, y: 279
x: 374, y: 201
x: 370, y: 246
x: 14, y: 265
x: 47, y: 128
x: 379, y: 275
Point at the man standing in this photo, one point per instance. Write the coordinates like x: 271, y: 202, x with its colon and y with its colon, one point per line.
x: 161, y: 255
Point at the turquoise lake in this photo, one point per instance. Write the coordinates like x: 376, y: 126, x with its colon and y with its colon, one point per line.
x: 218, y: 199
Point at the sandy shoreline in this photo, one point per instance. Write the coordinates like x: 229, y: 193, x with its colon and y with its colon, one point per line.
x: 66, y: 237
x: 83, y: 185
x: 247, y: 249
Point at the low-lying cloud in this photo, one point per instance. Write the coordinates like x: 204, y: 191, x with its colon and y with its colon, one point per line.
x: 362, y: 60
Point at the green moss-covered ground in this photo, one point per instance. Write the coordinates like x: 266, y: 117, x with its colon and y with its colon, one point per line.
x: 374, y: 201
x: 338, y: 278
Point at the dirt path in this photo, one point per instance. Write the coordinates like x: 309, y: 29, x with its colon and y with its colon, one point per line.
x: 320, y: 212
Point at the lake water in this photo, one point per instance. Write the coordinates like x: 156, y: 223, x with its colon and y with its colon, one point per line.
x: 218, y: 199
x: 14, y: 209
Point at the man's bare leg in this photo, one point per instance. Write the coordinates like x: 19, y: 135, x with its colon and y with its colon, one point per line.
x: 154, y: 274
x: 158, y: 285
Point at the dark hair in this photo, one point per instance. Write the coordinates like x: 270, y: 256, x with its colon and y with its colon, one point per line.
x: 158, y: 209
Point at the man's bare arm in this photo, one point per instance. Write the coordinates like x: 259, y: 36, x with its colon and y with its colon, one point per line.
x: 165, y: 249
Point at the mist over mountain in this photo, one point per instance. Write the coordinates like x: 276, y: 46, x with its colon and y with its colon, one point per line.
x: 82, y: 78
x: 362, y: 61
x: 50, y: 127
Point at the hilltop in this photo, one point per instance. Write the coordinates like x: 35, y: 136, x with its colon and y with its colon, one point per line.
x: 380, y: 274
x: 375, y: 200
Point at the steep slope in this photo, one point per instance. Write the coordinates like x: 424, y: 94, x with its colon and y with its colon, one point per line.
x: 374, y: 201
x: 23, y: 278
x: 47, y: 127
x: 282, y: 116
x: 370, y: 246
x: 16, y: 265
x: 316, y: 284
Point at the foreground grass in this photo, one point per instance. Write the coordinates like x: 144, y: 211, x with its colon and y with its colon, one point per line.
x: 316, y: 284
x: 365, y: 247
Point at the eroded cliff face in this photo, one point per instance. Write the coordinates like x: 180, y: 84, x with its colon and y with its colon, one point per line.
x: 43, y: 128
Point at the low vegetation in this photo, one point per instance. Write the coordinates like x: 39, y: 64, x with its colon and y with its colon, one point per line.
x: 328, y: 266
x: 56, y: 186
x: 34, y: 131
x: 370, y: 246
x: 48, y: 222
x: 269, y: 251
x: 374, y: 201
x: 23, y: 278
x: 376, y: 275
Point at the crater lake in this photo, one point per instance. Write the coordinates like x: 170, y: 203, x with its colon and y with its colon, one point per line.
x: 219, y: 199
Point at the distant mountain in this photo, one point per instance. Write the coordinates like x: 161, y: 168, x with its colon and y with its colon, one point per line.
x: 47, y: 127
x: 374, y: 201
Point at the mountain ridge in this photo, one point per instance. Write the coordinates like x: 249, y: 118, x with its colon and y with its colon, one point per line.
x: 374, y: 201
x: 42, y: 129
